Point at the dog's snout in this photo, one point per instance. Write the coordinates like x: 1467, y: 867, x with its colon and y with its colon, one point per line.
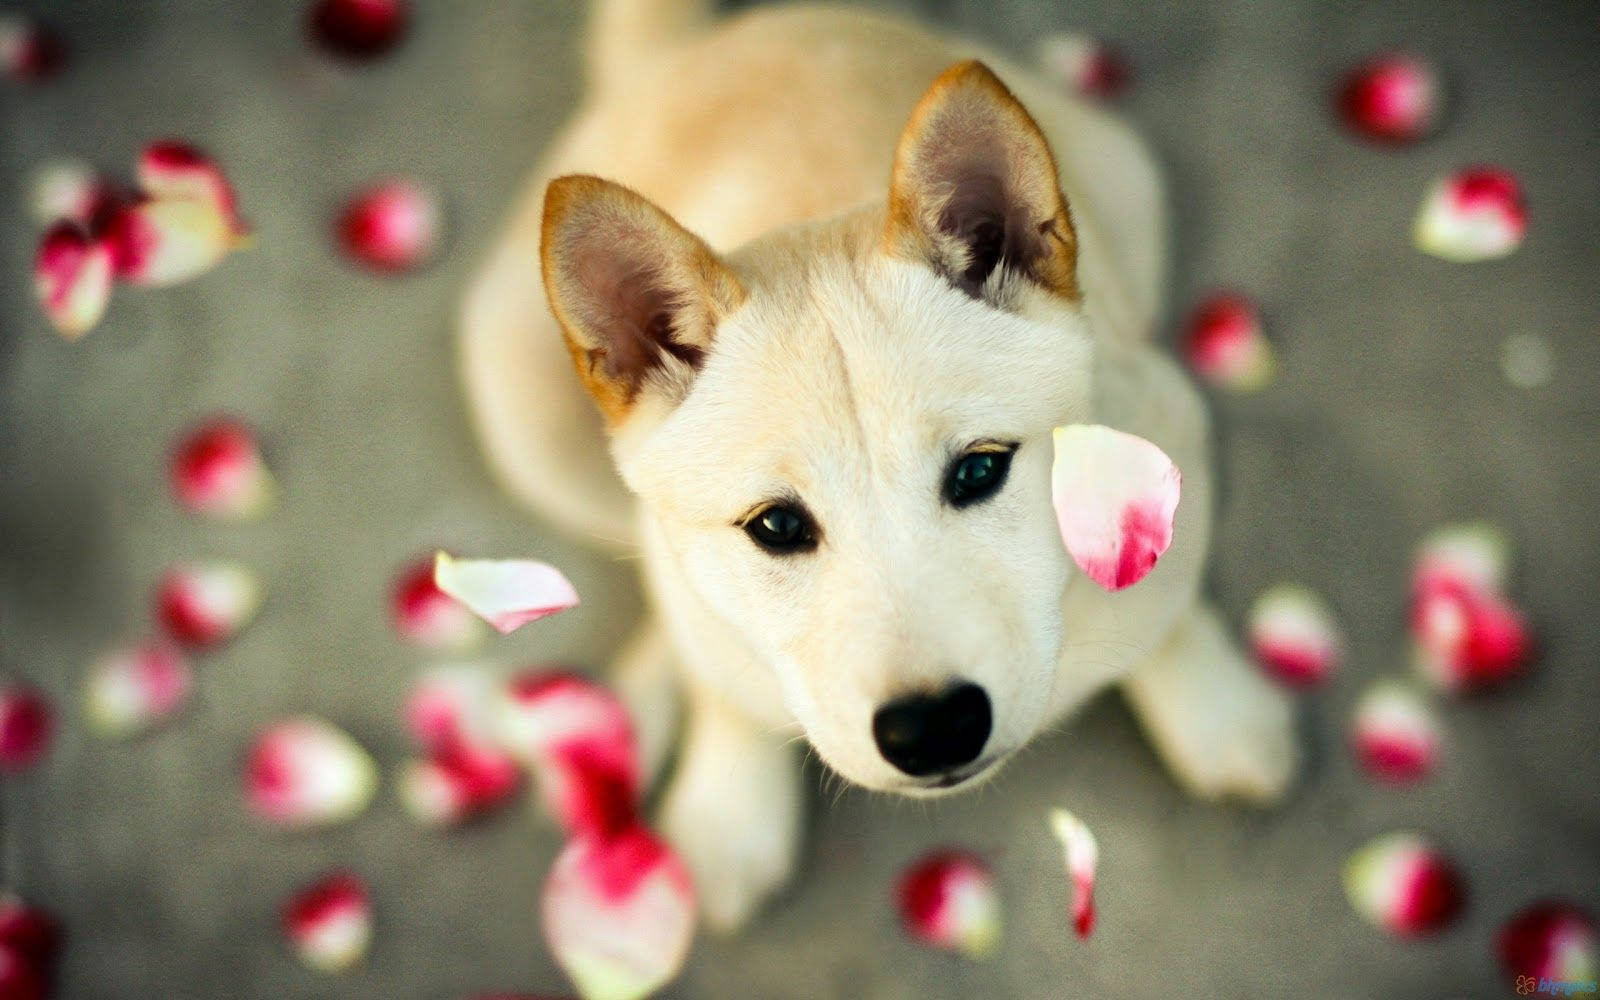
x: 928, y: 734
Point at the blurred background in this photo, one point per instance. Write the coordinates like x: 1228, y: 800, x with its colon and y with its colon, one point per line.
x: 1392, y: 413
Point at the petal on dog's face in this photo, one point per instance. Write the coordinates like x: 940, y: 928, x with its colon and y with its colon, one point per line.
x: 851, y: 382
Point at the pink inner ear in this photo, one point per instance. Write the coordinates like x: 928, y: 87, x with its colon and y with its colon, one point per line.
x: 633, y: 313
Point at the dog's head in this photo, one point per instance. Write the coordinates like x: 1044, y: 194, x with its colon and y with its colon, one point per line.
x: 843, y: 430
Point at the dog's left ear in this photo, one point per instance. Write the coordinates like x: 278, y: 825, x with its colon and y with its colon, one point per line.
x: 975, y: 191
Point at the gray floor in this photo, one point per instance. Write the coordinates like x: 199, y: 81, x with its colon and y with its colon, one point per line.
x: 1391, y: 416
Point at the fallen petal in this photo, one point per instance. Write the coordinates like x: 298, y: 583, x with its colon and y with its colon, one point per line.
x: 206, y: 604
x: 358, y: 29
x: 71, y: 191
x: 619, y: 914
x: 456, y: 705
x: 450, y: 788
x: 1294, y: 635
x: 303, y: 772
x: 1475, y: 214
x: 165, y: 241
x: 1115, y: 496
x: 30, y: 51
x: 1392, y: 98
x: 72, y: 279
x: 170, y: 169
x: 391, y: 227
x: 1399, y: 882
x: 1395, y: 733
x: 27, y: 725
x: 20, y: 978
x: 1474, y: 556
x: 948, y: 899
x: 1083, y: 857
x: 1467, y: 640
x: 429, y: 617
x: 133, y: 689
x: 1550, y: 940
x: 329, y: 923
x: 506, y: 593
x: 217, y: 470
x: 1083, y: 65
x: 1224, y: 344
x: 30, y: 932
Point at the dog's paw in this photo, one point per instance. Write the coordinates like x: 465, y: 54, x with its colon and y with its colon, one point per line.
x: 733, y: 813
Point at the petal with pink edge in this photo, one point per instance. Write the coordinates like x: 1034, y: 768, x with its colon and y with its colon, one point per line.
x: 506, y: 593
x: 1115, y: 496
x: 27, y: 725
x: 358, y: 29
x: 1083, y: 858
x: 165, y: 241
x: 216, y: 469
x: 1474, y: 555
x: 948, y: 899
x: 1224, y: 344
x: 619, y: 914
x: 1294, y: 635
x: 1392, y: 98
x: 173, y: 169
x: 303, y: 773
x: 329, y: 923
x: 1551, y: 939
x: 134, y: 689
x: 456, y: 705
x: 1467, y: 640
x: 30, y: 52
x: 1394, y: 732
x: 1474, y: 214
x: 450, y: 788
x: 69, y: 191
x: 72, y: 279
x: 1083, y: 65
x: 1401, y: 883
x: 427, y: 616
x: 392, y: 227
x: 207, y: 603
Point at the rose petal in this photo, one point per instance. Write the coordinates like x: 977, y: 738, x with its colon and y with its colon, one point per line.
x: 171, y: 169
x: 1466, y: 640
x: 948, y: 899
x: 1224, y: 344
x: 165, y: 241
x: 1294, y: 635
x: 30, y: 51
x: 329, y: 923
x: 1083, y: 857
x: 358, y: 29
x: 391, y: 227
x: 1472, y: 215
x: 30, y: 932
x: 577, y: 738
x: 303, y: 772
x: 1550, y: 940
x: 1115, y: 496
x: 1474, y: 556
x: 72, y: 279
x: 429, y: 617
x: 20, y: 978
x: 206, y: 604
x: 1401, y: 883
x: 217, y: 470
x: 452, y: 787
x: 133, y: 689
x: 71, y: 191
x: 1394, y: 732
x: 1083, y: 65
x: 27, y: 725
x: 1392, y: 98
x: 456, y: 705
x: 506, y: 593
x: 619, y: 914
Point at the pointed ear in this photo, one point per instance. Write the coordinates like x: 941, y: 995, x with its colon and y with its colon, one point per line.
x: 975, y: 191
x: 636, y: 294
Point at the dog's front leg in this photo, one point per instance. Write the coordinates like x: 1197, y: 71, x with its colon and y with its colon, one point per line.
x: 733, y: 809
x: 1223, y: 728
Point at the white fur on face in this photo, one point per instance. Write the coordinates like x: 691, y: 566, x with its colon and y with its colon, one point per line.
x: 852, y: 382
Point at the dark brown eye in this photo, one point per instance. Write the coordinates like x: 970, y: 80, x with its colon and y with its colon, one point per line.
x: 976, y: 476
x: 782, y: 530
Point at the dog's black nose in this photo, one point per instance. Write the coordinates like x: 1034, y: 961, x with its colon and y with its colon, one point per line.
x: 927, y: 734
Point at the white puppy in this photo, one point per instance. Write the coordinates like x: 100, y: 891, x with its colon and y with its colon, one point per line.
x: 829, y: 347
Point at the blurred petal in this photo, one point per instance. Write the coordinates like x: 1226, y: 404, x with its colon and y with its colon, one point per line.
x: 303, y: 772
x: 72, y: 279
x: 449, y: 788
x: 166, y: 241
x: 948, y: 899
x: 506, y: 593
x: 329, y: 923
x: 391, y: 227
x: 1115, y: 496
x: 1394, y: 732
x: 1399, y: 882
x: 30, y: 51
x: 217, y: 470
x: 70, y: 191
x: 1474, y: 556
x: 1392, y: 98
x: 1083, y: 858
x: 134, y: 689
x: 358, y: 29
x: 1294, y: 635
x: 1550, y: 940
x: 27, y: 725
x: 1083, y: 65
x: 1224, y: 344
x: 173, y: 169
x: 429, y: 617
x: 1472, y: 215
x: 205, y: 604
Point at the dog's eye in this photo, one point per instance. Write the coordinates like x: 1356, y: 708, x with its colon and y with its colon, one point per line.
x: 976, y: 476
x: 782, y: 530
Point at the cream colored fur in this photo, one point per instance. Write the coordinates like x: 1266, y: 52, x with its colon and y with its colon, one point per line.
x: 839, y: 369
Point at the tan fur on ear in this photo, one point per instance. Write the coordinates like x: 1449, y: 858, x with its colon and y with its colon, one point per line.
x: 975, y: 188
x: 637, y: 295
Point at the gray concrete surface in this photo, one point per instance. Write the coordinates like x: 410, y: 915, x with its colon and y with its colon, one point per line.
x: 1391, y: 416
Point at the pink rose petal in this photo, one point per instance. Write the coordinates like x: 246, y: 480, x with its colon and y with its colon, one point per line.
x: 20, y: 977
x: 1115, y: 496
x: 27, y: 725
x: 1473, y: 556
x: 30, y: 945
x: 452, y: 715
x: 506, y: 593
x: 1550, y: 940
x: 206, y: 604
x: 451, y: 787
x: 72, y: 279
x: 158, y: 242
x: 72, y: 191
x: 1083, y: 65
x: 29, y: 51
x: 391, y: 227
x: 454, y: 706
x: 1474, y: 214
x: 329, y: 923
x: 429, y: 617
x: 1395, y: 733
x: 1467, y: 634
x: 173, y: 169
x: 948, y: 900
x: 1399, y: 882
x: 133, y: 689
x: 1294, y: 635
x: 619, y: 914
x: 1083, y: 858
x: 358, y: 29
x: 217, y: 470
x: 1391, y: 98
x: 303, y: 772
x: 1224, y: 344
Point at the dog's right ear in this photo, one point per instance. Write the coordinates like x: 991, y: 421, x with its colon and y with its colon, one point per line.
x: 637, y: 295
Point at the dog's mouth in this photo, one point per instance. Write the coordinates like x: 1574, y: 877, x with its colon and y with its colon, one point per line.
x: 955, y: 779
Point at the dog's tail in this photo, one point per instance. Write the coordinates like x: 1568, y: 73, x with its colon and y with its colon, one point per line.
x: 624, y: 33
